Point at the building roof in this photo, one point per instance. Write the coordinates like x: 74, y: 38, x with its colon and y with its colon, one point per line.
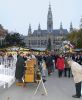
x: 55, y: 32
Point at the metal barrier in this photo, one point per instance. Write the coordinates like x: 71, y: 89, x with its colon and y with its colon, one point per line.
x: 7, y: 73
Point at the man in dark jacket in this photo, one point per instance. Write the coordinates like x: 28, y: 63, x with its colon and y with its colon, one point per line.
x: 49, y: 63
x: 20, y: 67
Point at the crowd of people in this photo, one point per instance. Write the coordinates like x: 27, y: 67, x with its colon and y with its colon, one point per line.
x: 7, y: 58
x: 47, y: 63
x: 54, y: 62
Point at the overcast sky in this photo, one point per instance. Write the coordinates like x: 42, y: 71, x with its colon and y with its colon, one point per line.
x: 16, y: 15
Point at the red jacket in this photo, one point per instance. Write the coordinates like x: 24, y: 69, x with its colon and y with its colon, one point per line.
x: 60, y: 63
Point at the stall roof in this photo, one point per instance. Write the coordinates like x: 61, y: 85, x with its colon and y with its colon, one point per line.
x: 40, y: 49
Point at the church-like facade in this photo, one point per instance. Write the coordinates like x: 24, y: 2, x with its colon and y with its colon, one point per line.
x: 39, y: 38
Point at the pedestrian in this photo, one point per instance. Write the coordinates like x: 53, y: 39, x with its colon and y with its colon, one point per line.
x: 78, y: 59
x: 43, y: 71
x: 77, y: 74
x: 20, y: 67
x: 60, y: 64
x: 67, y: 69
x: 49, y: 64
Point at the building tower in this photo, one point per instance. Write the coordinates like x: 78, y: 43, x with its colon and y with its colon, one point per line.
x: 49, y: 20
x: 39, y: 28
x: 61, y: 28
x: 29, y: 30
x: 71, y: 27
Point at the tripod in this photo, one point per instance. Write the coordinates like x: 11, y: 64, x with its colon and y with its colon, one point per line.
x: 41, y: 82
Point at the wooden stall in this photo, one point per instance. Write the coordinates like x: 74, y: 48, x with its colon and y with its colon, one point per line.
x: 30, y: 72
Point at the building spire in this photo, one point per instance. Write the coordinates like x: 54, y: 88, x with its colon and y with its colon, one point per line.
x: 49, y: 19
x: 49, y: 6
x: 71, y: 27
x: 39, y: 28
x: 61, y: 26
x: 29, y: 30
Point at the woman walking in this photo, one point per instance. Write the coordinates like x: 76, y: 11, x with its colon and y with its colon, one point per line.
x: 60, y: 65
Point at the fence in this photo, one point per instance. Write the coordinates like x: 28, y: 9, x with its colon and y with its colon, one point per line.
x: 7, y: 72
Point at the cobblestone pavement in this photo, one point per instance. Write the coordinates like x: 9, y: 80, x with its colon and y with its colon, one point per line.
x: 58, y: 89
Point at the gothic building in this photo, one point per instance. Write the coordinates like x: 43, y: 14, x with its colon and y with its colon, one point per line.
x: 39, y: 38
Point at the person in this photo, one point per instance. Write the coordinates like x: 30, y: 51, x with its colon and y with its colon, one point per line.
x: 43, y: 71
x: 77, y: 74
x: 49, y: 64
x: 20, y: 67
x: 78, y: 59
x: 67, y: 69
x: 18, y: 54
x: 60, y: 64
